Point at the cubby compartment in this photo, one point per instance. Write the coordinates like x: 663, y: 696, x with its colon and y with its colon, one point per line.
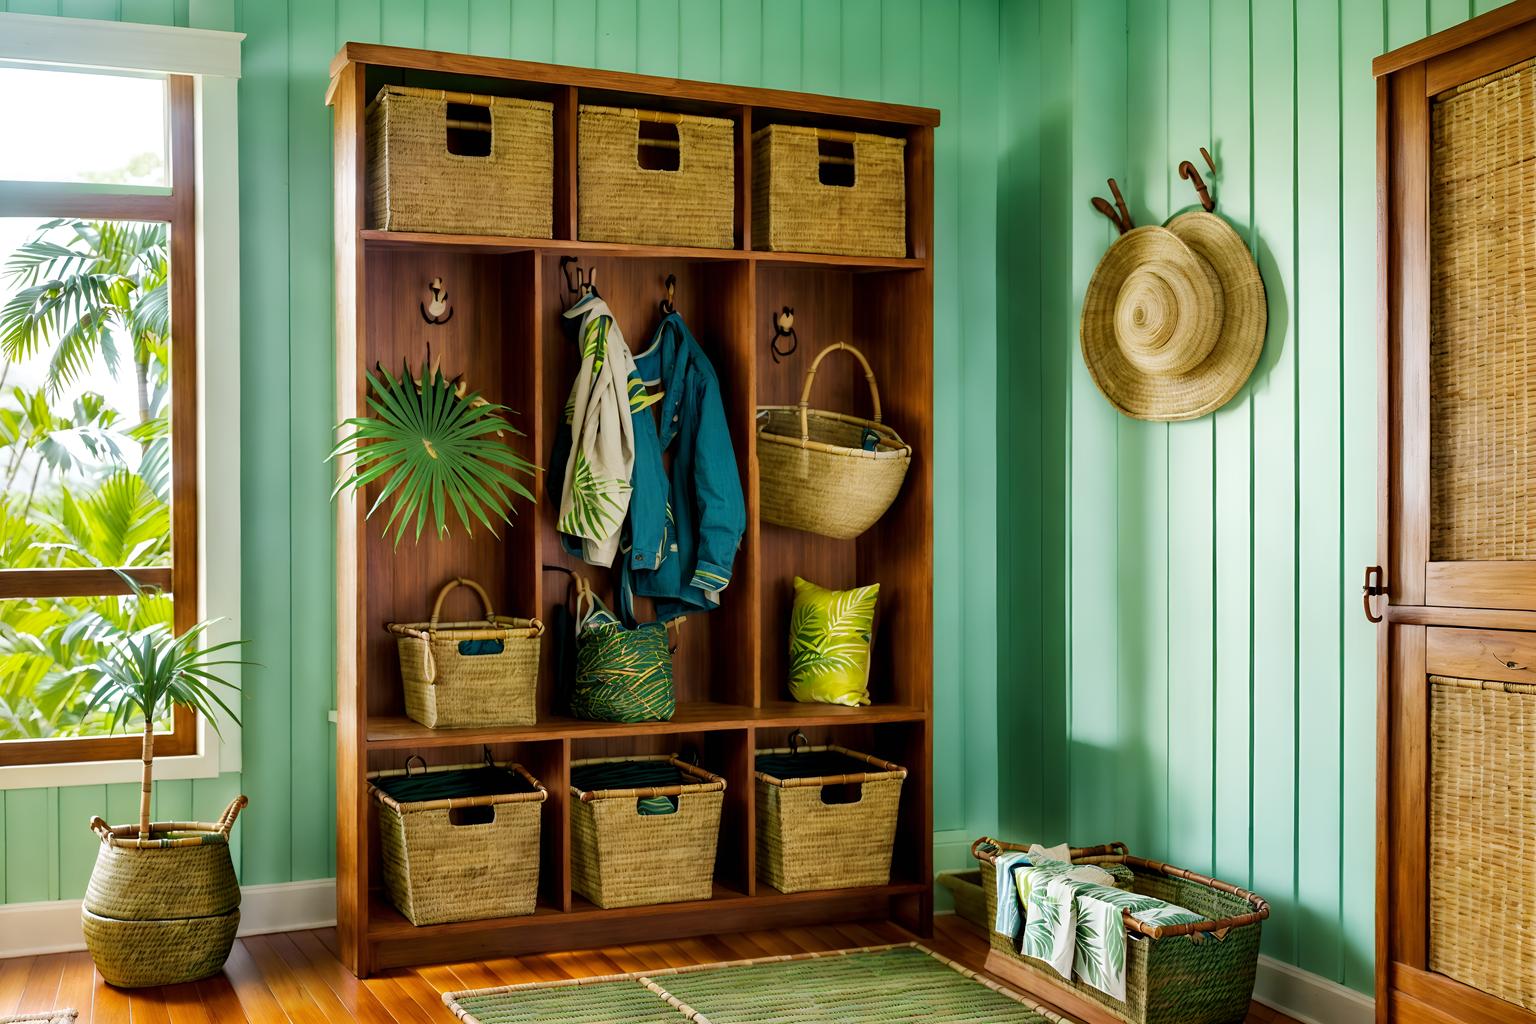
x: 863, y: 309
x: 709, y: 664
x: 726, y: 753
x: 545, y: 761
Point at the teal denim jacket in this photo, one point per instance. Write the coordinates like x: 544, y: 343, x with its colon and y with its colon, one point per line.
x: 706, y: 511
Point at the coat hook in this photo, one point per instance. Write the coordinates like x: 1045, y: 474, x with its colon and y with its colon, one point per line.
x: 1102, y: 205
x: 783, y: 327
x: 437, y: 312
x: 1125, y: 213
x: 584, y: 281
x: 667, y: 306
x: 1188, y: 172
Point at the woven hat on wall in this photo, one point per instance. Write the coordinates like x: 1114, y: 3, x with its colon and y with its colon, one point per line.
x: 1174, y: 318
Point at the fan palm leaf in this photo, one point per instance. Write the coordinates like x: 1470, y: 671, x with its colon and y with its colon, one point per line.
x: 432, y: 446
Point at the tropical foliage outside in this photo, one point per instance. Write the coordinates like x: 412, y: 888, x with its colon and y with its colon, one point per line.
x: 84, y: 452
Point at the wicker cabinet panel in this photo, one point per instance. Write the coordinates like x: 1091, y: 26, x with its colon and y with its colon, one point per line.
x: 1482, y: 387
x: 1482, y: 835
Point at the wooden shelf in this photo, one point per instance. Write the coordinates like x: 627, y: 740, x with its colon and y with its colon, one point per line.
x: 510, y: 338
x: 392, y: 732
x: 495, y: 244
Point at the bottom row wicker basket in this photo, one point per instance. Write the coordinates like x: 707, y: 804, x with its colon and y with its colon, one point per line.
x: 462, y: 842
x: 1199, y: 973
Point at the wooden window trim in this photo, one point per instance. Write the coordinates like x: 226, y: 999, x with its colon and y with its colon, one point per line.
x: 179, y: 210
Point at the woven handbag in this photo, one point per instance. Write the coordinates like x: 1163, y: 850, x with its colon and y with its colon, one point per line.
x: 480, y: 673
x: 622, y: 674
x: 828, y: 472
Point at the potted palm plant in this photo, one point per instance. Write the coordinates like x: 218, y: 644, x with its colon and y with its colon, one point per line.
x: 163, y: 902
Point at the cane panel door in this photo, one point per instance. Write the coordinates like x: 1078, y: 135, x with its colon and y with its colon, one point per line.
x: 1457, y: 533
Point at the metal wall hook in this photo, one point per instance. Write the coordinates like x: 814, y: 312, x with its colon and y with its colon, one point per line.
x: 667, y: 305
x: 437, y: 312
x: 783, y: 327
x: 1188, y: 172
x: 584, y: 281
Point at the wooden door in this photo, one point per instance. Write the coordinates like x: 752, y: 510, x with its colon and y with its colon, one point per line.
x: 1456, y: 843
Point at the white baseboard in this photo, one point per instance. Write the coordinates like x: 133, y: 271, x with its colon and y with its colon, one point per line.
x: 1308, y: 997
x: 54, y: 926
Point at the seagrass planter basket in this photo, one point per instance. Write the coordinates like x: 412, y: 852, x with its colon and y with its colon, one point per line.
x: 828, y: 191
x: 826, y: 817
x: 643, y: 830
x: 461, y: 842
x: 828, y: 472
x: 162, y: 910
x: 655, y: 178
x: 469, y: 674
x: 460, y: 163
x: 1198, y: 973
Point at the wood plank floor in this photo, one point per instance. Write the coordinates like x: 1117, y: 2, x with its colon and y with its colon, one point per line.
x: 295, y: 977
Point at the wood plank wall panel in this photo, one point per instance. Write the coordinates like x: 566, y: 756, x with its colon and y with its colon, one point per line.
x: 934, y: 52
x: 1208, y: 691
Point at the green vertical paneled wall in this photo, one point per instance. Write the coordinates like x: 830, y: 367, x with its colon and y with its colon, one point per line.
x: 1192, y: 673
x: 941, y: 53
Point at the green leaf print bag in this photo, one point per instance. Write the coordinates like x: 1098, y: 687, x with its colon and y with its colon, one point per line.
x: 622, y: 675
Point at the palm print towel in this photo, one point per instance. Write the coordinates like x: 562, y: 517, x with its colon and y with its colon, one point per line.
x: 1076, y: 926
x: 595, y: 493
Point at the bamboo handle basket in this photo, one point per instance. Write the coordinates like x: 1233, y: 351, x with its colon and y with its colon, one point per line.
x: 1197, y: 973
x: 446, y: 688
x: 814, y: 473
x: 622, y: 858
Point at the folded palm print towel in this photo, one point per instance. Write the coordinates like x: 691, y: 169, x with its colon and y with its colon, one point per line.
x: 1076, y: 926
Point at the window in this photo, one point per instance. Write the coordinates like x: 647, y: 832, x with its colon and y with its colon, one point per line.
x: 98, y: 403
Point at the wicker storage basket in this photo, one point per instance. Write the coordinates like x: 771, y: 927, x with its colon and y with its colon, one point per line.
x: 162, y: 910
x: 796, y: 208
x: 1482, y: 833
x: 624, y: 855
x: 965, y: 890
x: 443, y: 860
x: 449, y: 687
x: 619, y: 200
x: 416, y: 184
x: 806, y: 843
x: 1199, y: 973
x: 814, y: 471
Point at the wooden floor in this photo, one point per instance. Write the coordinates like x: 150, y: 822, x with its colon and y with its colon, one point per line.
x: 271, y: 979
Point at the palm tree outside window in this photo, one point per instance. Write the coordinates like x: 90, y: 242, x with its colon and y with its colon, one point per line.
x: 97, y: 401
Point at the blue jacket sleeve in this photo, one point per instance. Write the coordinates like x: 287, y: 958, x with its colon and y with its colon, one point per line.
x: 722, y: 511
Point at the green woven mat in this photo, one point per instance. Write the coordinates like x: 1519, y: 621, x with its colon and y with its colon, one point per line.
x: 893, y: 985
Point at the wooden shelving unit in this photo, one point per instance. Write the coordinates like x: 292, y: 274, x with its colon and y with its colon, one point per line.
x: 729, y: 668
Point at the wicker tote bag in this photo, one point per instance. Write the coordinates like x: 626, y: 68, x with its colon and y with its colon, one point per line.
x: 622, y: 674
x: 828, y: 472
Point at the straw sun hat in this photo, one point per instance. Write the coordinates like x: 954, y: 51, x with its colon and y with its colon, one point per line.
x: 1174, y: 317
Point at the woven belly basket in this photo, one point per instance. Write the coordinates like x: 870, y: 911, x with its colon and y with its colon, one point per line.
x: 1199, y: 973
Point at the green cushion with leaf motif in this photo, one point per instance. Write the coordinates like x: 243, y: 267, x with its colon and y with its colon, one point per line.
x: 829, y: 637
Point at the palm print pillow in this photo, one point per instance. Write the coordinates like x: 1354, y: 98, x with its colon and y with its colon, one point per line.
x: 829, y: 635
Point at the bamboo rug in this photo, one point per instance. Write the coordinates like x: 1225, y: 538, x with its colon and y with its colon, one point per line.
x: 876, y: 985
x: 43, y: 1017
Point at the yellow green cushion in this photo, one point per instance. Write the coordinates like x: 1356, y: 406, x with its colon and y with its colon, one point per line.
x: 829, y: 634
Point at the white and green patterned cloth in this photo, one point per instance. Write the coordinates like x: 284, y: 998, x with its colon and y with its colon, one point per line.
x: 1076, y: 926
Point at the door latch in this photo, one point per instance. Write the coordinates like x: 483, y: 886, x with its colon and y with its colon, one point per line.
x: 1372, y: 589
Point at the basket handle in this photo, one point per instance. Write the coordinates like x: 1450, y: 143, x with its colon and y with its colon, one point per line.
x: 442, y: 595
x: 227, y: 819
x: 810, y: 379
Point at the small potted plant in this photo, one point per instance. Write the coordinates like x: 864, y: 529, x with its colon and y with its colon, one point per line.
x: 163, y: 902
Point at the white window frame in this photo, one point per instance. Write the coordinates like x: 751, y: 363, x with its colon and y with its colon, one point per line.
x: 213, y: 60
